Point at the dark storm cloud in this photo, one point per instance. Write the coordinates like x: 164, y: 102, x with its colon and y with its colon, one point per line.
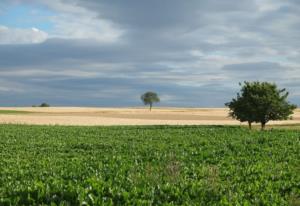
x: 193, y: 53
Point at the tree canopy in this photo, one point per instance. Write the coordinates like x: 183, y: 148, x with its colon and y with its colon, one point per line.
x: 149, y: 98
x: 260, y: 102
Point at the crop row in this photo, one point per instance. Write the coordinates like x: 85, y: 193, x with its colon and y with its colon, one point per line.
x: 155, y: 165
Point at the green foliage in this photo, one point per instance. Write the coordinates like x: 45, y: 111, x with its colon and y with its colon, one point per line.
x: 155, y: 165
x: 44, y: 105
x: 149, y: 98
x: 260, y: 102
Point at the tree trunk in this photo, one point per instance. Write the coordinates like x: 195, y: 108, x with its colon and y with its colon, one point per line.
x: 250, y: 125
x: 150, y: 106
x: 263, y: 125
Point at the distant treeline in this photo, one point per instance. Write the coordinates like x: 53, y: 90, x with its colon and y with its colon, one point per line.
x: 42, y: 105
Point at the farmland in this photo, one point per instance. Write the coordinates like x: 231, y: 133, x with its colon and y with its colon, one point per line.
x: 144, y: 165
x: 89, y: 116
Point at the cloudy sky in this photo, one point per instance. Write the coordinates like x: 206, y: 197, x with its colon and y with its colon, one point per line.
x: 107, y: 53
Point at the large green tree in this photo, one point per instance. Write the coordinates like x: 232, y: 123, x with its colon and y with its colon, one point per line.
x: 149, y: 98
x: 260, y: 102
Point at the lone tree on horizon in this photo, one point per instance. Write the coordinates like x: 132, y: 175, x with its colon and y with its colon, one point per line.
x: 260, y: 102
x: 150, y: 98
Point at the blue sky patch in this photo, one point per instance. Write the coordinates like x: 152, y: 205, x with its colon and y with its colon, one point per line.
x: 27, y: 16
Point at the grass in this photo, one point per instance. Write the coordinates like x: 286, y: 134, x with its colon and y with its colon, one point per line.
x: 150, y: 165
x: 14, y: 112
x: 285, y: 126
x: 294, y: 126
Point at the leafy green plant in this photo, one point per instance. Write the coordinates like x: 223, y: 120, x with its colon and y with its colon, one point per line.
x: 148, y: 165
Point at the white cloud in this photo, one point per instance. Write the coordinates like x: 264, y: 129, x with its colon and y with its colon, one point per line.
x: 70, y: 21
x: 86, y: 27
x: 21, y: 36
x: 268, y: 5
x: 75, y: 22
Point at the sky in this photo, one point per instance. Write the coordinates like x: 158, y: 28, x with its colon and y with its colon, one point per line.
x: 107, y: 53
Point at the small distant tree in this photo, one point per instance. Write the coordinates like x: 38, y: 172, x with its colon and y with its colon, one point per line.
x: 260, y: 102
x: 44, y: 105
x: 149, y: 98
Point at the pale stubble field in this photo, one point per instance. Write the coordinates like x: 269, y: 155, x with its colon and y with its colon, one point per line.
x: 122, y: 116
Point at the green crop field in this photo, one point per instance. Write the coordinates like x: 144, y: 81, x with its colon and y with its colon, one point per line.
x: 14, y: 112
x: 154, y: 165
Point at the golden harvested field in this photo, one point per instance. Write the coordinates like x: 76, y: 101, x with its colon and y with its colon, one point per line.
x: 122, y: 116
